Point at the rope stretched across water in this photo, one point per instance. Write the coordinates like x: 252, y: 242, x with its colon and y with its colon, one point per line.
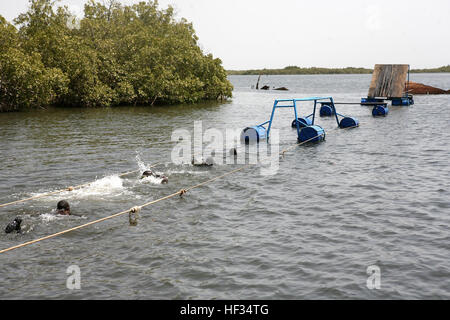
x: 65, y: 189
x: 299, y: 144
x: 181, y: 193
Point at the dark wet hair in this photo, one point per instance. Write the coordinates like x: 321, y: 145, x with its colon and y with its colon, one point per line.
x: 63, y: 205
x: 147, y: 173
x: 14, y: 226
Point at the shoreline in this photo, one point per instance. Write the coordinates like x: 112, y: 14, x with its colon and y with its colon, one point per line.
x: 316, y: 70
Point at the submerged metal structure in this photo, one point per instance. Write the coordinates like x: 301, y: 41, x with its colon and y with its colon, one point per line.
x: 306, y: 128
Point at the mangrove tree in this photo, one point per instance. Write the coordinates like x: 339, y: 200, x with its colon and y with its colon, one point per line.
x: 115, y: 54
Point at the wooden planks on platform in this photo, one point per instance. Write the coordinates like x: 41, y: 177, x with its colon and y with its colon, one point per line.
x: 388, y: 81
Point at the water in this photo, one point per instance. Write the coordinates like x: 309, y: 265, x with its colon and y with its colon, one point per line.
x: 375, y: 195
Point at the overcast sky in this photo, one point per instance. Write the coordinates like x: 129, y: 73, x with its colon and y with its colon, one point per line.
x: 248, y: 34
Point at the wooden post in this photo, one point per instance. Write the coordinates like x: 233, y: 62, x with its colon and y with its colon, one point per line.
x: 257, y: 83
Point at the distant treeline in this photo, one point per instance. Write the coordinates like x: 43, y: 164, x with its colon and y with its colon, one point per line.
x: 434, y: 70
x: 297, y: 70
x: 116, y: 54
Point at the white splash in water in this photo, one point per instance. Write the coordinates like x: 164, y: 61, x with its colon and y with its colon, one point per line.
x: 152, y: 180
x: 142, y: 166
x: 106, y: 185
x: 48, y: 217
x: 186, y: 171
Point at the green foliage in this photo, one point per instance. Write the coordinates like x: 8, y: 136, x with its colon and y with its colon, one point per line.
x: 297, y: 70
x: 433, y: 70
x: 8, y: 35
x: 25, y: 82
x: 135, y: 54
x: 349, y: 70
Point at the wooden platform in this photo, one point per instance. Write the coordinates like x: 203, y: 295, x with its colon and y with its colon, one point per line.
x: 388, y: 80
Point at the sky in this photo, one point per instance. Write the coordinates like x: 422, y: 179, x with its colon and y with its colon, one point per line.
x: 254, y: 34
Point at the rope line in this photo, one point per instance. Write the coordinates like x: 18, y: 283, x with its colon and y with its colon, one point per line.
x: 65, y: 189
x: 124, y: 174
x: 138, y: 208
x: 299, y: 144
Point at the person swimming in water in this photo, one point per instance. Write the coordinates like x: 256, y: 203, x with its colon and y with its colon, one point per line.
x: 14, y: 226
x: 150, y: 173
x: 63, y: 208
x: 202, y: 163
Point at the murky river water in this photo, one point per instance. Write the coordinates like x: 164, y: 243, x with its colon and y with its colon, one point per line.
x: 375, y: 195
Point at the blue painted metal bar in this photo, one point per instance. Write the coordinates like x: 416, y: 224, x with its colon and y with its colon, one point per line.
x: 314, y: 114
x: 335, y: 112
x: 315, y: 106
x: 264, y: 123
x: 296, y: 117
x: 271, y: 118
x: 294, y: 105
x: 305, y: 99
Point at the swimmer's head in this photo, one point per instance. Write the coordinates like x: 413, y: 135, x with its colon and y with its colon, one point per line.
x: 148, y: 173
x: 14, y: 226
x: 63, y: 207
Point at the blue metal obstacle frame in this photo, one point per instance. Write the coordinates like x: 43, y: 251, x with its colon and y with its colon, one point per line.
x: 294, y: 102
x: 323, y: 100
x: 309, y: 130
